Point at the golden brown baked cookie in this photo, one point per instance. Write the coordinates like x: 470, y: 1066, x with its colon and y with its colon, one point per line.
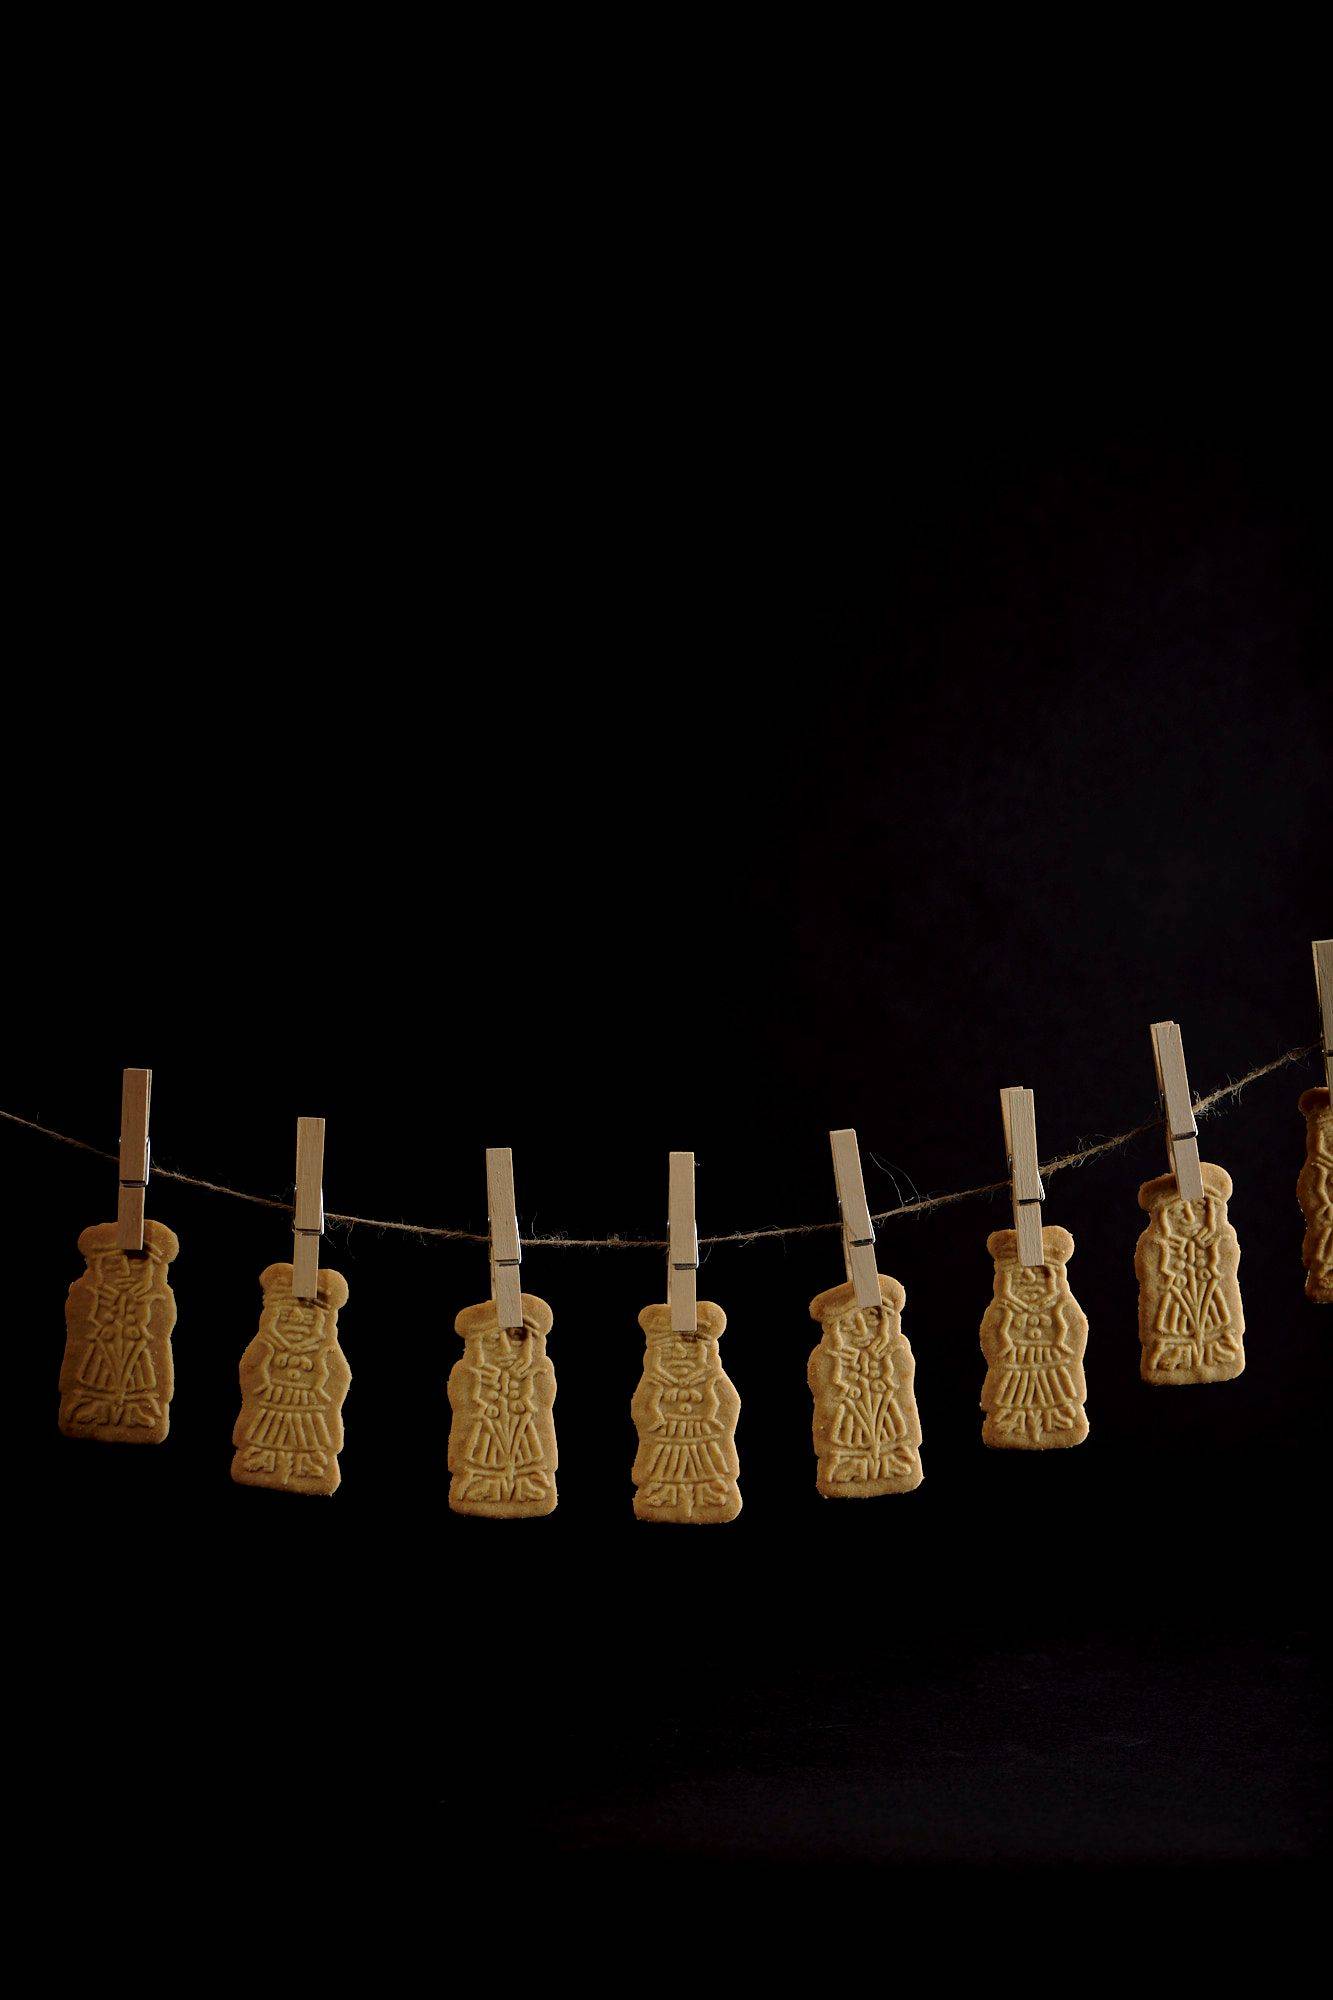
x: 294, y: 1377
x: 685, y: 1410
x: 1191, y: 1324
x: 502, y: 1438
x: 1033, y: 1335
x: 1314, y: 1191
x: 116, y: 1377
x: 866, y: 1429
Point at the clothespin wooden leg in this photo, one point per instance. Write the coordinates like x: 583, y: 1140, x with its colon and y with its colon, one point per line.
x: 1018, y: 1110
x: 683, y: 1246
x: 309, y: 1217
x: 506, y: 1249
x: 858, y: 1235
x: 1323, y: 980
x: 136, y: 1092
x: 1182, y: 1134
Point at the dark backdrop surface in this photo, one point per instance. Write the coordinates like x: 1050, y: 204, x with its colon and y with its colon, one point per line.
x: 596, y: 823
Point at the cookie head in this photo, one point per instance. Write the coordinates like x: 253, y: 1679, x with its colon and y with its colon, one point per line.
x: 1162, y: 1198
x: 862, y: 1328
x: 127, y: 1270
x: 295, y: 1325
x: 122, y: 1270
x: 1057, y: 1245
x: 1189, y: 1222
x: 1028, y: 1288
x: 508, y: 1348
x: 514, y: 1349
x: 682, y: 1357
x: 1185, y: 1218
x: 848, y: 1325
x: 300, y: 1325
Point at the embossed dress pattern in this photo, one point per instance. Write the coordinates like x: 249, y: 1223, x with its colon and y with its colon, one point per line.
x: 867, y: 1433
x: 502, y: 1450
x: 1033, y: 1336
x: 116, y: 1376
x: 1314, y: 1191
x: 294, y: 1377
x: 1191, y: 1323
x: 685, y: 1410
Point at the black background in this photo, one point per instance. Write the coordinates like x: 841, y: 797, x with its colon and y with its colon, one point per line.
x: 680, y: 794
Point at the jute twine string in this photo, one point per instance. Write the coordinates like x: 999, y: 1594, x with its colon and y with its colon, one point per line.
x: 922, y: 1205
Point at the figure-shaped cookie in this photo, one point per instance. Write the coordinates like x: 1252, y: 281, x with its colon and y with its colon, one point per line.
x: 116, y: 1376
x: 1314, y: 1191
x: 1033, y: 1335
x: 502, y: 1393
x: 685, y: 1410
x: 1191, y: 1324
x: 866, y: 1429
x: 294, y: 1377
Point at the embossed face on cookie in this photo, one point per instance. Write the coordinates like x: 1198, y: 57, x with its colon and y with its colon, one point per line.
x: 1028, y: 1286
x: 504, y: 1347
x: 1187, y: 1218
x: 680, y: 1358
x: 108, y: 1270
x: 865, y: 1327
x: 294, y: 1325
x: 118, y: 1271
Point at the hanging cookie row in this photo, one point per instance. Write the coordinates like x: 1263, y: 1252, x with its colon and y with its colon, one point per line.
x: 116, y: 1376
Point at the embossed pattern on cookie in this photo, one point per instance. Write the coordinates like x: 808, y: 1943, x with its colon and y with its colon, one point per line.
x: 1033, y: 1335
x: 294, y: 1377
x: 1191, y: 1324
x: 685, y: 1411
x: 1314, y: 1191
x: 866, y: 1429
x: 116, y: 1377
x: 502, y: 1453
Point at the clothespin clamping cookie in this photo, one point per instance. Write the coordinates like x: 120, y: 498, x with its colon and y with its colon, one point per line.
x: 1323, y: 980
x: 682, y: 1246
x: 1017, y: 1108
x: 506, y: 1250
x: 858, y: 1234
x: 294, y: 1375
x: 116, y: 1376
x: 308, y: 1222
x: 1182, y: 1134
x: 136, y: 1091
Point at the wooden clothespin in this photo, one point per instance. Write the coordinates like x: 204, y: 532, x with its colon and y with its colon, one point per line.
x: 135, y: 1093
x: 858, y: 1234
x: 506, y: 1249
x: 1018, y: 1109
x: 1182, y: 1134
x: 682, y: 1246
x: 1323, y: 979
x: 308, y: 1222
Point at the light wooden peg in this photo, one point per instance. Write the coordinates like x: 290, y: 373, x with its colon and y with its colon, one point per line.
x: 308, y: 1223
x: 1182, y: 1134
x: 683, y: 1246
x: 858, y: 1234
x: 1018, y: 1110
x: 506, y: 1249
x: 135, y: 1092
x: 1323, y: 980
